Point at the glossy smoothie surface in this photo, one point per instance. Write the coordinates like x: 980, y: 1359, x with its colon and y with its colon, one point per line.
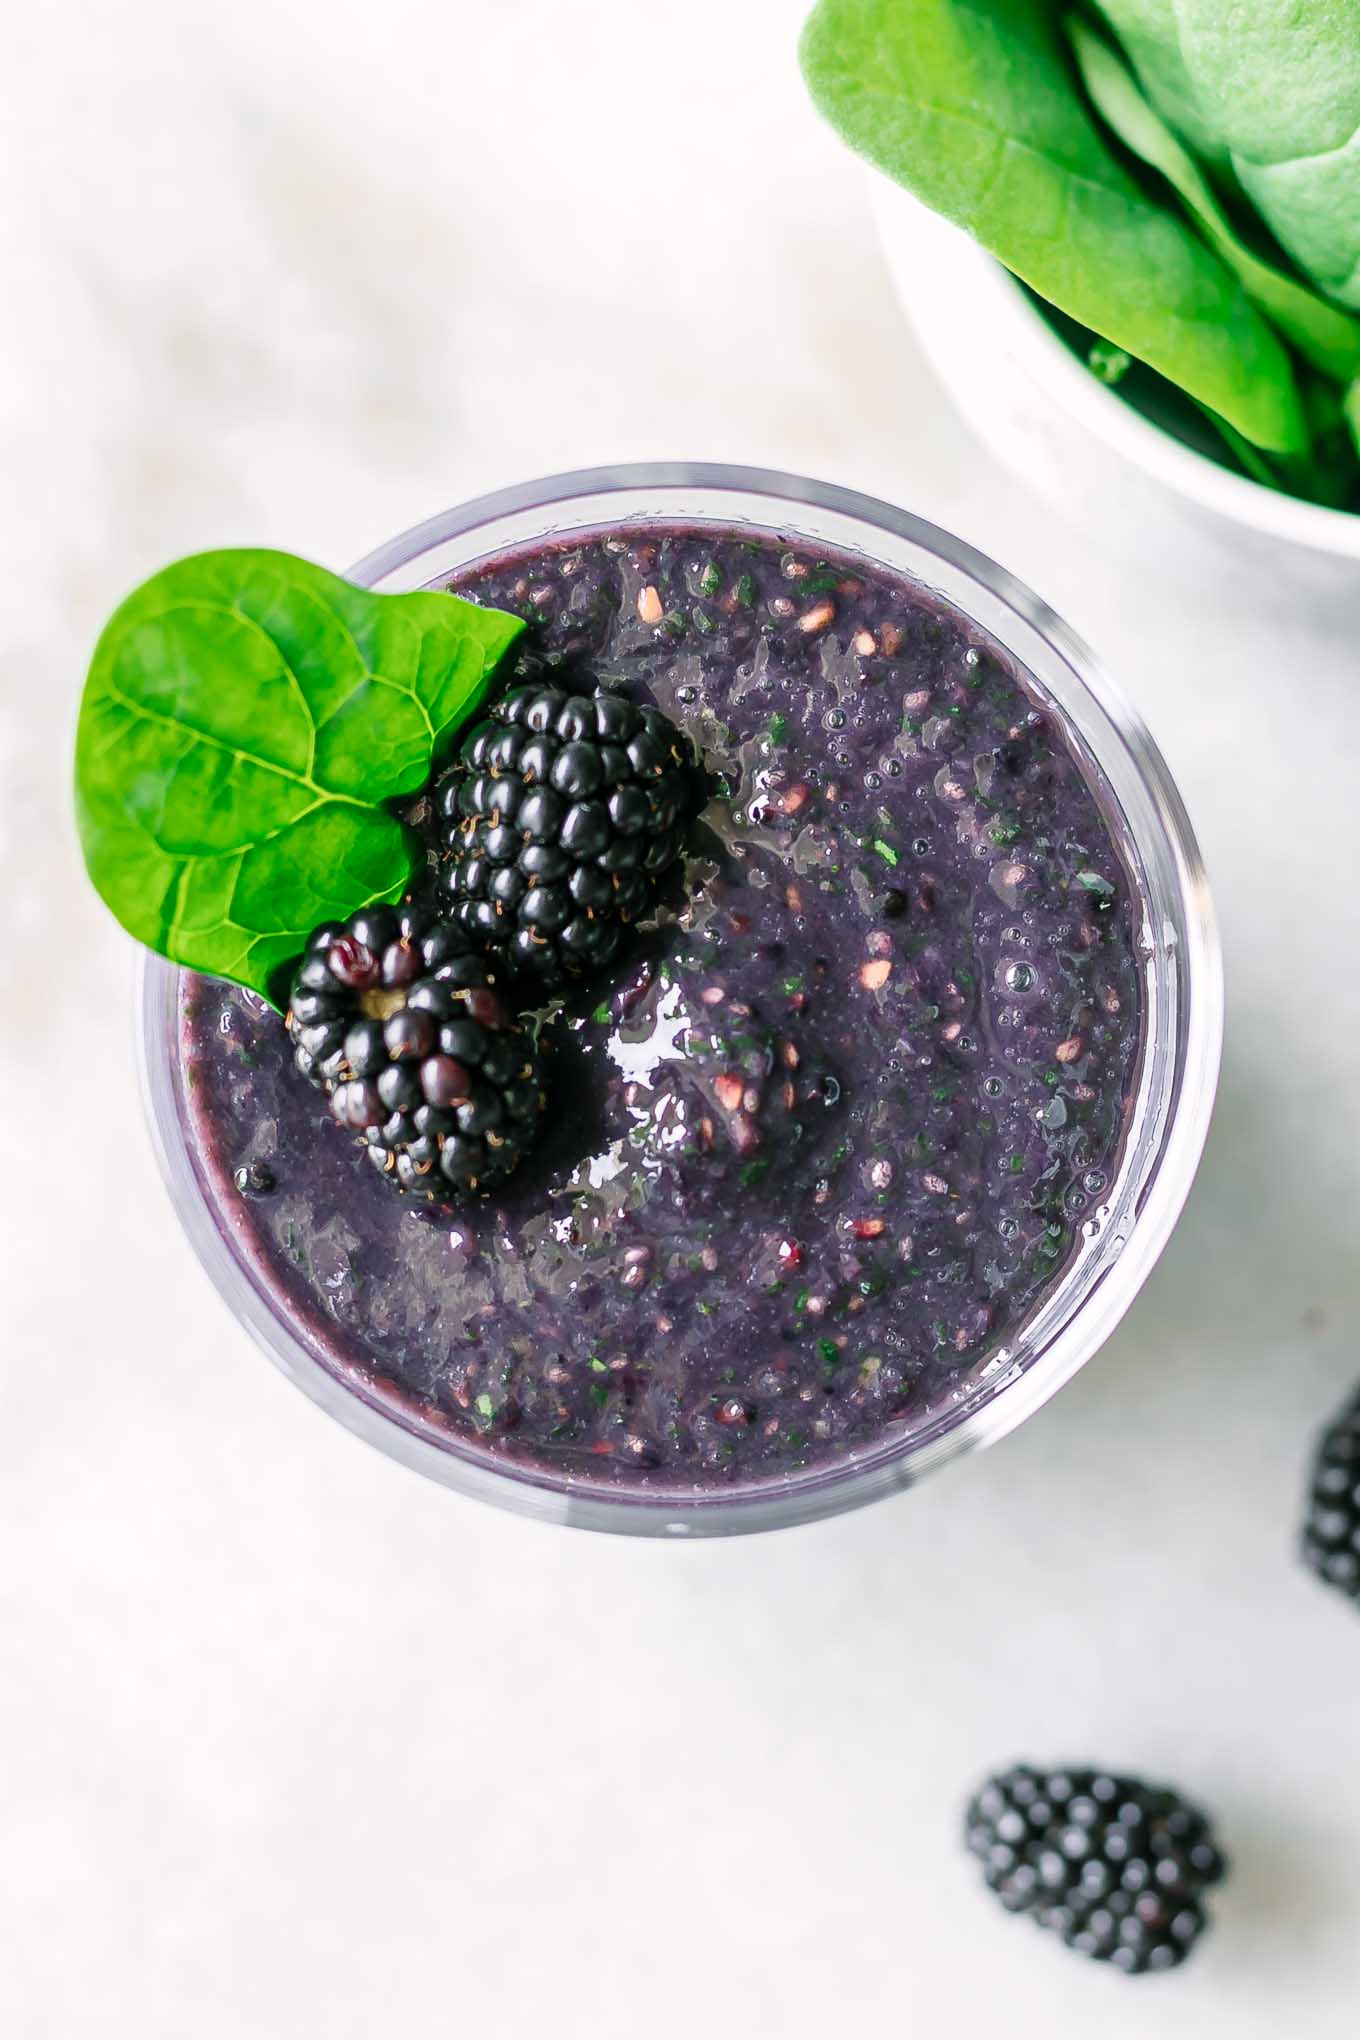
x: 833, y: 1126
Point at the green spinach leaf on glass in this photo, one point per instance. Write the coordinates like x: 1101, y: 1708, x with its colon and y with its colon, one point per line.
x: 247, y: 722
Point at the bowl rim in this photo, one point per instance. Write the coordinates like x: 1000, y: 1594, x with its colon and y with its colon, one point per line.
x: 1117, y: 422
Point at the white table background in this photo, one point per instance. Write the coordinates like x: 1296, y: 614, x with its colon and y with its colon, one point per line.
x: 293, y: 1743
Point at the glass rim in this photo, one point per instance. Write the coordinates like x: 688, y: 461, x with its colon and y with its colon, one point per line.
x: 1183, y: 953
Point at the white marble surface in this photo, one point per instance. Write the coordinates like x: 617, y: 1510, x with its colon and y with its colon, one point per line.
x: 292, y: 1743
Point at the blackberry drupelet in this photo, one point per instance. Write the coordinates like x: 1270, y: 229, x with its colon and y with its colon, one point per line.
x: 561, y: 816
x: 1114, y: 1866
x: 397, y: 1019
x: 1331, y: 1528
x: 362, y: 969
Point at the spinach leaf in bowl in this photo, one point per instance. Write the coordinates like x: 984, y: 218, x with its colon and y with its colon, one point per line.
x: 1273, y: 88
x: 1321, y: 331
x: 1147, y: 30
x: 976, y: 110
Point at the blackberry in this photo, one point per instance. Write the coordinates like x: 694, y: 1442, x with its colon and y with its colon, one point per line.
x: 398, y: 1021
x: 1331, y: 1528
x: 1114, y: 1866
x: 561, y: 816
x: 733, y: 1090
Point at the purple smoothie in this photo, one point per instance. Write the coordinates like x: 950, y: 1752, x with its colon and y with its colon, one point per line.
x: 826, y: 1135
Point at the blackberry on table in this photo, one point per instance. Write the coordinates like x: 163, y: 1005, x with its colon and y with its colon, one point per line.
x: 398, y: 1020
x: 560, y: 818
x: 1331, y: 1528
x: 1114, y: 1866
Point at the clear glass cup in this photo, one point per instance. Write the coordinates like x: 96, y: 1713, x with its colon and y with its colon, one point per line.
x: 1183, y: 991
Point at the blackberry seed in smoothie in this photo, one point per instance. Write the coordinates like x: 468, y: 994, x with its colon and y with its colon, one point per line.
x: 824, y: 1132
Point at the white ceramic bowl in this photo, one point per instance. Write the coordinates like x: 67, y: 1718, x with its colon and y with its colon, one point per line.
x: 1070, y: 436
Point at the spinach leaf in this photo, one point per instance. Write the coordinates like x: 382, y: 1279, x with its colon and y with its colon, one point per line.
x: 1249, y: 458
x: 1272, y: 86
x: 1322, y: 332
x: 1147, y: 31
x: 1329, y: 472
x: 974, y: 108
x: 1350, y: 405
x: 246, y: 719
